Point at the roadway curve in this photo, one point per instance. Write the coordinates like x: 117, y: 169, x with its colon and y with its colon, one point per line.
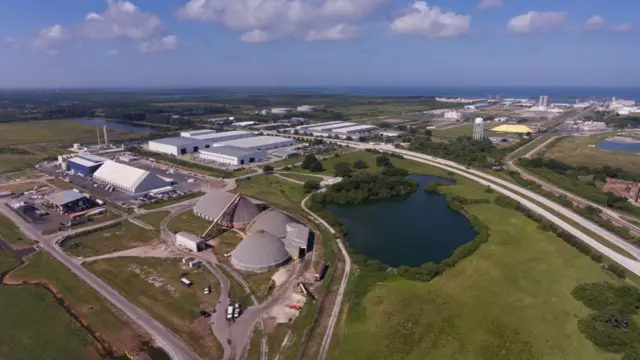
x: 163, y: 337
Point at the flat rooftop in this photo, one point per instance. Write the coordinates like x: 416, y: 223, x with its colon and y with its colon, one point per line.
x: 93, y: 158
x: 222, y: 135
x: 320, y: 124
x: 174, y: 141
x: 64, y: 197
x: 355, y: 128
x: 332, y: 127
x: 83, y: 162
x: 255, y: 141
x: 227, y: 151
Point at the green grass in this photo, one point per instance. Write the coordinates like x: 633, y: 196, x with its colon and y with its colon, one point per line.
x: 173, y: 201
x: 7, y: 261
x: 509, y: 300
x: 188, y: 221
x: 11, y: 233
x: 154, y: 285
x: 34, y: 326
x: 278, y: 192
x: 581, y: 150
x: 456, y: 131
x: 258, y: 283
x: 154, y: 219
x: 225, y: 243
x: 301, y: 177
x: 123, y: 236
x: 81, y: 298
x: 19, y: 133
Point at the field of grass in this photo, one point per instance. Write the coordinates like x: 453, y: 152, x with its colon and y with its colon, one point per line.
x: 509, y: 300
x: 19, y: 188
x: 123, y: 236
x: 188, y: 221
x: 7, y: 261
x: 279, y: 193
x: 225, y: 243
x: 173, y: 201
x: 154, y: 285
x: 34, y: 326
x: 456, y: 131
x: 11, y: 233
x: 20, y: 133
x: 581, y: 150
x: 154, y: 219
x: 81, y: 298
x: 301, y: 177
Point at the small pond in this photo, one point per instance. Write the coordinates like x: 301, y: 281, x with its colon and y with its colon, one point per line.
x: 117, y: 125
x: 633, y: 147
x: 411, y: 231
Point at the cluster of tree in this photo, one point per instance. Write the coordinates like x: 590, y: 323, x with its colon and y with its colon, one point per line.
x: 311, y: 185
x: 312, y: 164
x: 366, y: 186
x: 463, y: 150
x: 585, y: 181
x: 546, y: 225
x: 611, y: 326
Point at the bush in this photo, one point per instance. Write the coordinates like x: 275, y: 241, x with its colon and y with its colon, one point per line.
x: 342, y: 169
x: 311, y: 185
x: 359, y: 164
x: 617, y: 270
x: 316, y: 167
x: 267, y: 169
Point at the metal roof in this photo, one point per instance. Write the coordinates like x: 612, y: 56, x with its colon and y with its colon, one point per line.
x: 83, y: 162
x: 331, y: 127
x: 174, y: 141
x: 256, y: 141
x: 191, y: 133
x: 298, y: 235
x: 227, y: 151
x: 260, y: 250
x: 212, y: 205
x: 223, y: 135
x: 319, y: 124
x: 355, y: 128
x: 93, y: 158
x: 126, y: 176
x: 64, y: 197
x: 521, y: 129
x: 273, y: 220
x: 284, y: 152
x: 190, y: 237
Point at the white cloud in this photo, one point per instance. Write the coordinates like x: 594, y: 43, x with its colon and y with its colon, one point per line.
x: 279, y: 18
x: 488, y: 4
x: 429, y: 21
x: 47, y: 37
x: 622, y: 27
x: 595, y: 22
x: 256, y: 37
x: 536, y: 21
x: 598, y: 23
x: 167, y: 43
x: 335, y: 33
x: 113, y: 52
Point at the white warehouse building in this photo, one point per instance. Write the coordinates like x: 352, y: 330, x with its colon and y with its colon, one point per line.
x: 259, y: 143
x: 356, y: 131
x: 192, y: 133
x: 189, y: 241
x: 232, y: 155
x: 453, y: 115
x: 128, y: 178
x: 196, y: 141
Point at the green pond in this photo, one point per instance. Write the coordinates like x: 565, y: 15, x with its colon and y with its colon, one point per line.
x: 412, y: 231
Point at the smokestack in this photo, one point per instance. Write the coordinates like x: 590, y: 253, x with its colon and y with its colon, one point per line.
x: 638, y: 194
x: 98, y: 131
x: 106, y: 141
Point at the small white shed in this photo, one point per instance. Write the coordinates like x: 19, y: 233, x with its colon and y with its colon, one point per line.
x: 189, y: 241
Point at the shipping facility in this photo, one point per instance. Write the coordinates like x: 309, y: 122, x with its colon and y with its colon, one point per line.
x: 128, y: 178
x: 259, y: 143
x: 232, y: 155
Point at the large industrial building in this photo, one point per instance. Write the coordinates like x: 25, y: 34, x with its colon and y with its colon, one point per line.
x: 232, y: 155
x: 356, y: 131
x: 82, y: 166
x: 189, y: 241
x: 194, y: 141
x: 259, y: 143
x: 342, y: 129
x: 192, y: 133
x: 69, y: 201
x: 238, y: 211
x: 128, y: 178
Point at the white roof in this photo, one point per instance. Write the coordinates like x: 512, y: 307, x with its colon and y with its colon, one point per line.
x: 255, y: 141
x: 128, y: 176
x: 83, y: 162
x: 244, y: 123
x: 321, y: 124
x: 93, y: 158
x: 355, y: 128
x: 189, y: 237
x: 222, y: 135
x: 191, y: 133
x: 334, y: 126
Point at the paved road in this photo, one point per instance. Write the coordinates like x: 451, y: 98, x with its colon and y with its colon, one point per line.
x: 163, y: 337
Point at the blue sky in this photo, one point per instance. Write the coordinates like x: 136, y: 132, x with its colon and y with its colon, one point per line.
x: 96, y: 43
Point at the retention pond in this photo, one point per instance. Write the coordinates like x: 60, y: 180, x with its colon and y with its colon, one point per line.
x: 412, y: 231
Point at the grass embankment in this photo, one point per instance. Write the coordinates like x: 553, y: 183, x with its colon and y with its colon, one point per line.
x: 301, y: 177
x: 188, y: 221
x: 581, y: 150
x: 509, y: 300
x: 10, y: 233
x: 173, y: 201
x: 277, y: 192
x: 154, y: 219
x: 121, y: 236
x: 154, y: 285
x: 90, y: 307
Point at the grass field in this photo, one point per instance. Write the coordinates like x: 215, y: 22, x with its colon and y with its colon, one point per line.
x: 20, y: 133
x: 509, y: 300
x: 225, y: 243
x: 34, y: 326
x: 20, y: 188
x: 279, y: 193
x: 10, y: 233
x: 580, y: 150
x: 456, y: 131
x: 123, y: 236
x: 154, y: 219
x: 188, y: 221
x: 7, y: 261
x: 81, y: 298
x: 153, y: 284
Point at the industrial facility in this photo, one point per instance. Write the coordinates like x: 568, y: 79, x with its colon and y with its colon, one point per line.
x: 516, y: 129
x: 260, y: 143
x: 232, y: 155
x: 189, y: 241
x: 83, y: 166
x: 69, y: 201
x: 230, y: 210
x: 194, y: 141
x: 342, y: 129
x: 128, y: 178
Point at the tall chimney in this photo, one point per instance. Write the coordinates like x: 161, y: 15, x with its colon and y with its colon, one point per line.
x: 638, y: 194
x: 106, y: 141
x: 98, y: 131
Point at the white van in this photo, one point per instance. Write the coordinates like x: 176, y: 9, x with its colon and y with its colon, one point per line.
x: 186, y: 282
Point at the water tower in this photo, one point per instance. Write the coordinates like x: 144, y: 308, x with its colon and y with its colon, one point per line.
x: 478, y: 129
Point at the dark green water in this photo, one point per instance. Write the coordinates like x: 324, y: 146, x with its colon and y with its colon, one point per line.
x: 411, y: 231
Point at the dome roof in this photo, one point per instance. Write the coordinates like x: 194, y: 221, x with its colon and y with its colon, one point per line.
x: 479, y: 120
x: 259, y: 251
x: 273, y: 221
x: 216, y: 201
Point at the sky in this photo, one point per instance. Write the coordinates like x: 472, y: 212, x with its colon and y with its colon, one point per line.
x: 186, y: 43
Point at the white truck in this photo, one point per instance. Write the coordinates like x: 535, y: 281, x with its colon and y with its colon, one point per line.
x: 229, y: 312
